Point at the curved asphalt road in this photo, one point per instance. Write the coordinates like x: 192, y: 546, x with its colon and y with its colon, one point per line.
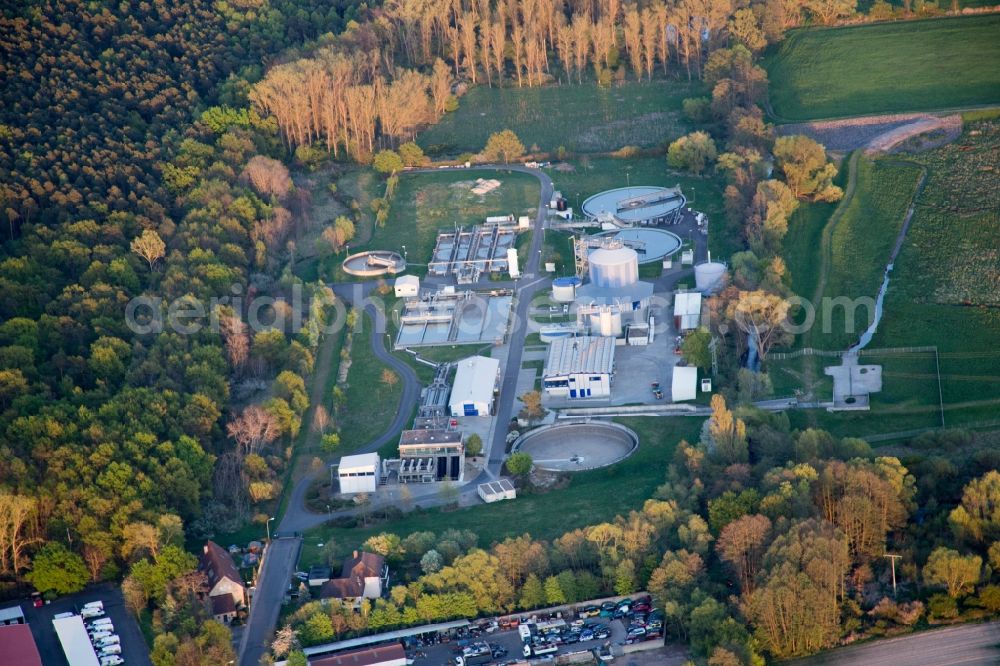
x: 282, y: 554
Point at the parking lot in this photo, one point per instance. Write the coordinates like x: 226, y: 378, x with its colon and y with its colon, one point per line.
x: 134, y: 650
x: 441, y: 654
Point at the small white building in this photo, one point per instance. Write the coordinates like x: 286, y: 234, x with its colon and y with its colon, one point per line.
x: 687, y: 310
x: 495, y: 491
x: 684, y: 385
x: 579, y: 367
x: 359, y: 473
x: 474, y: 388
x: 407, y: 286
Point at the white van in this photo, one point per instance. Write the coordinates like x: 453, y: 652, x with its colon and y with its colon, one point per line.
x: 99, y: 635
x: 111, y: 649
x: 102, y: 629
x: 99, y: 621
x: 95, y: 604
x: 88, y: 613
x: 112, y: 660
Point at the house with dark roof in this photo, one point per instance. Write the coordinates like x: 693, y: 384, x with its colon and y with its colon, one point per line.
x: 363, y: 576
x: 226, y: 591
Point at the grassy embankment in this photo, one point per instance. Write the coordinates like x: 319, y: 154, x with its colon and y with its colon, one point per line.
x: 943, y: 290
x: 885, y: 68
x: 591, y: 497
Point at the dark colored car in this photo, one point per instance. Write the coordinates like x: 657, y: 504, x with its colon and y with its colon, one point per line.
x: 602, y: 633
x: 571, y: 637
x: 641, y: 607
x: 609, y: 605
x: 587, y: 635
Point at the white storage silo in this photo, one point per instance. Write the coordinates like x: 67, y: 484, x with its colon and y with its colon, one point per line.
x: 564, y: 289
x: 709, y: 276
x: 614, y: 267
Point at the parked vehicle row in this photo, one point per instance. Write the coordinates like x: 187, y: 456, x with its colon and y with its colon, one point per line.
x: 102, y: 634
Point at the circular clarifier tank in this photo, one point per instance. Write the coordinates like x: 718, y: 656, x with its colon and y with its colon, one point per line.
x: 578, y: 445
x: 649, y: 243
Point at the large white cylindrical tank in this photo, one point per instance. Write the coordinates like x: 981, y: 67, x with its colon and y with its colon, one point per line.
x: 709, y: 276
x: 614, y: 267
x: 564, y: 289
x: 606, y: 323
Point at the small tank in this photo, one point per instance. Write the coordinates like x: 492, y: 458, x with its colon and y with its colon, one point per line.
x: 709, y: 277
x: 564, y: 289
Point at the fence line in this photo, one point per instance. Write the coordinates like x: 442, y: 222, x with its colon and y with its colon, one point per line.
x: 809, y: 351
x: 903, y: 434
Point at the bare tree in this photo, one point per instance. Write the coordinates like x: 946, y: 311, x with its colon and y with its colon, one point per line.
x: 268, y: 176
x: 149, y: 246
x: 253, y: 429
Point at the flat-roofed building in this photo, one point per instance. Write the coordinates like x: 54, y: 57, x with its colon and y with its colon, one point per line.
x: 474, y: 388
x: 428, y: 455
x: 687, y: 310
x: 579, y: 367
x: 359, y: 473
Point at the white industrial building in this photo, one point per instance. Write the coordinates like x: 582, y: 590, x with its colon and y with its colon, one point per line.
x: 359, y: 473
x: 474, y: 388
x: 75, y: 641
x: 614, y: 297
x: 580, y: 367
x: 687, y: 310
x: 684, y: 384
x: 407, y: 286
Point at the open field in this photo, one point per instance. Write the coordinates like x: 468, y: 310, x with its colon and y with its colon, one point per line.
x: 581, y: 118
x: 369, y: 403
x: 591, y: 175
x: 889, y: 67
x: 585, y: 501
x: 943, y: 292
x: 427, y: 203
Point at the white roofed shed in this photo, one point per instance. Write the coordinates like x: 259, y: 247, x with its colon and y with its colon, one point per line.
x: 687, y: 310
x: 359, y: 473
x: 474, y: 387
x: 684, y: 385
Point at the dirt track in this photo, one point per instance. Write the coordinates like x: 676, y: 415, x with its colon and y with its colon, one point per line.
x: 875, y: 133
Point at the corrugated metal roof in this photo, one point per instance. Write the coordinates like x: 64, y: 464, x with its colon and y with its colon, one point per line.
x: 586, y: 354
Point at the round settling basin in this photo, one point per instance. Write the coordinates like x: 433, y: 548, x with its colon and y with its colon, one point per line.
x: 577, y: 445
x: 374, y: 263
x: 657, y: 244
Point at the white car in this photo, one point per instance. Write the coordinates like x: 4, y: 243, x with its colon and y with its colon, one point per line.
x: 112, y: 660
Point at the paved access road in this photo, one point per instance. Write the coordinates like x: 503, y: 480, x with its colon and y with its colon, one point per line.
x: 275, y: 574
x: 968, y: 645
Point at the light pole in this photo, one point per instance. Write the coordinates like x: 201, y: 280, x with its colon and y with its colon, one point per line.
x: 268, y: 525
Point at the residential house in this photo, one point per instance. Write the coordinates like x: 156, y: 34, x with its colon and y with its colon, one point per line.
x: 225, y: 585
x: 363, y: 576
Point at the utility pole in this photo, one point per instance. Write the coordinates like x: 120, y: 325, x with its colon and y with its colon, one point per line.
x: 713, y: 346
x: 893, y: 559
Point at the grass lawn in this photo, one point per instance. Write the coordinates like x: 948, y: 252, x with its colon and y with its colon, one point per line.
x: 861, y: 245
x: 581, y: 118
x: 427, y: 203
x: 888, y: 67
x: 369, y: 403
x: 591, y: 497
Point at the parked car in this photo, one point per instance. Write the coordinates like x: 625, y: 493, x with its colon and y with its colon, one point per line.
x: 111, y: 650
x: 112, y: 660
x: 36, y: 600
x: 590, y: 611
x: 635, y: 634
x: 587, y: 635
x: 641, y: 607
x: 608, y: 605
x: 602, y: 633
